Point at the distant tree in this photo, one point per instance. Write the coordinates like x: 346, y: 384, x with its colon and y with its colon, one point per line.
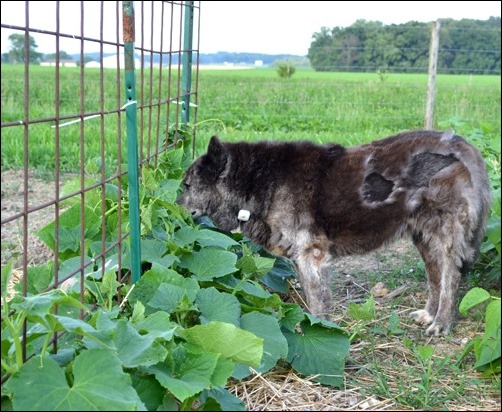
x: 87, y: 59
x: 285, y: 69
x: 465, y: 46
x: 321, y: 51
x: 348, y: 47
x: 474, y: 45
x: 62, y: 56
x: 17, y: 51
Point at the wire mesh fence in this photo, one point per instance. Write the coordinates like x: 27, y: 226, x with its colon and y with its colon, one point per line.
x: 120, y: 80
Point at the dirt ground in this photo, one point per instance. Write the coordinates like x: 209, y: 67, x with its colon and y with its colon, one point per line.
x: 40, y: 191
x: 397, y: 267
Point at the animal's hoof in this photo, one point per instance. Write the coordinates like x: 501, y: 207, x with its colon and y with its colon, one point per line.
x: 422, y: 317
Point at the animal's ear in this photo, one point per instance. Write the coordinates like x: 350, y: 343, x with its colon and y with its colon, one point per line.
x: 216, y: 148
x: 216, y: 157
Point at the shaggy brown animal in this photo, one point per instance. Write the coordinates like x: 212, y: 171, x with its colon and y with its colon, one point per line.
x: 313, y: 203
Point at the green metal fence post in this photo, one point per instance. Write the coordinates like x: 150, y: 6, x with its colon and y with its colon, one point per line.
x: 132, y: 138
x: 186, y: 74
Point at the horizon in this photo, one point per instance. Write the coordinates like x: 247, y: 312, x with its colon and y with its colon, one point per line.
x: 271, y: 33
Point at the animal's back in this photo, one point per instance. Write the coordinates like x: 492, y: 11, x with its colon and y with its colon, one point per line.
x: 374, y: 192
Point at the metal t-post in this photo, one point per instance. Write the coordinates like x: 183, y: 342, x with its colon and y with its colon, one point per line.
x: 132, y: 139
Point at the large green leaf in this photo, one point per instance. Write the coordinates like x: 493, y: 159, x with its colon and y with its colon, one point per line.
x: 130, y: 346
x: 158, y: 324
x: 226, y: 400
x: 488, y: 350
x: 134, y: 349
x: 69, y: 222
x: 73, y: 325
x: 38, y: 308
x: 167, y: 190
x: 39, y: 277
x: 149, y: 390
x: 153, y: 250
x: 186, y: 236
x: 317, y: 349
x: 218, y: 306
x: 98, y: 384
x: 172, y: 291
x: 168, y: 296
x: 292, y: 315
x: 275, y: 345
x: 215, y: 238
x: 69, y: 239
x: 255, y: 265
x: 205, y: 237
x: 232, y: 342
x: 152, y: 247
x: 223, y: 371
x: 473, y: 297
x: 210, y: 263
x: 188, y: 375
x: 150, y: 281
x: 277, y: 278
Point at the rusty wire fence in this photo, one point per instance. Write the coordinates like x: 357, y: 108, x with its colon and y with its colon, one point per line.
x: 115, y: 85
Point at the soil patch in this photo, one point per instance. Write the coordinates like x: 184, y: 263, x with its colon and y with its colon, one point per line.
x: 39, y: 191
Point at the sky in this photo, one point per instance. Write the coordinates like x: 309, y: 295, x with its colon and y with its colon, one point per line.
x: 275, y: 27
x: 269, y: 27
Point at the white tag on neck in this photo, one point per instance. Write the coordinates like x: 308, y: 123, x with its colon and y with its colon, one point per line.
x: 243, y: 215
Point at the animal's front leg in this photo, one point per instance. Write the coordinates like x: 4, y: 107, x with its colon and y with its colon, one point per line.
x: 313, y: 271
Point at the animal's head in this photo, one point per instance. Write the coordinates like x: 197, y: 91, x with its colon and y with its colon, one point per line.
x: 206, y: 191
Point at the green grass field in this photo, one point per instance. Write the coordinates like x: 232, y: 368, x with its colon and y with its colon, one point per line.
x: 348, y: 108
x: 345, y: 107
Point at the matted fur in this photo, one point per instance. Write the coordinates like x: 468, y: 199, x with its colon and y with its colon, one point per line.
x: 313, y: 203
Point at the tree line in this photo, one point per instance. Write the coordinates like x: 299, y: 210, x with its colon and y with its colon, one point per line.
x: 465, y: 47
x: 17, y: 54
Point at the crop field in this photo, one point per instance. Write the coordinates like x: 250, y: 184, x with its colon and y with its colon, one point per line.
x: 348, y: 108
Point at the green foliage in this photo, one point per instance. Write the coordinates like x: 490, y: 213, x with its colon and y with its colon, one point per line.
x: 198, y: 316
x: 362, y: 312
x: 92, y: 371
x: 285, y: 69
x: 318, y: 347
x: 422, y: 387
x: 466, y: 46
x: 486, y: 348
x: 62, y: 56
x: 17, y: 50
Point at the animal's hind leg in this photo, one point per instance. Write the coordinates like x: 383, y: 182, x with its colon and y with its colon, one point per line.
x: 316, y: 288
x: 426, y: 316
x: 443, y: 278
x: 445, y: 315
